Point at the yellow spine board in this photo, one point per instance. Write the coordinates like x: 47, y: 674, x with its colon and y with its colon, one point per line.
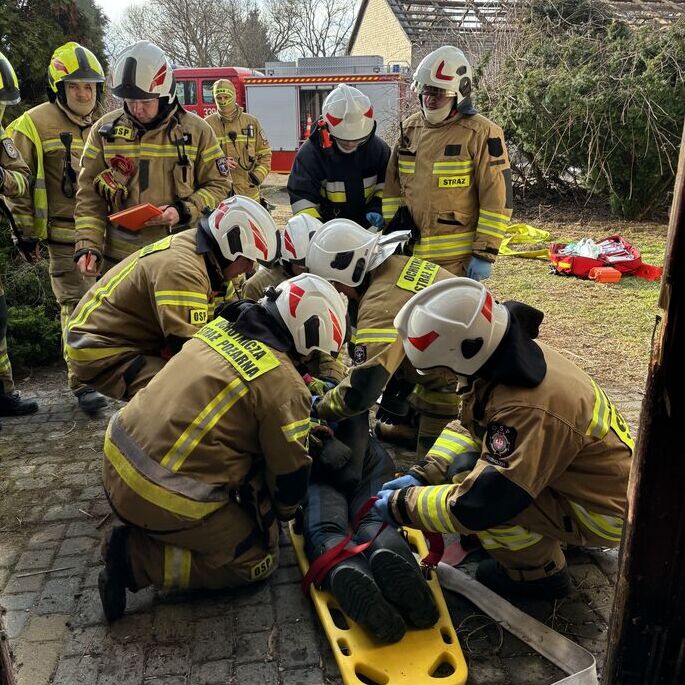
x: 419, y: 658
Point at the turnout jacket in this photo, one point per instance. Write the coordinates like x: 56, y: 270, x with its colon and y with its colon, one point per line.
x: 330, y: 184
x: 564, y: 434
x: 242, y: 137
x: 455, y: 180
x: 42, y: 136
x: 179, y: 162
x: 16, y: 175
x: 226, y: 420
x: 378, y: 350
x: 148, y: 304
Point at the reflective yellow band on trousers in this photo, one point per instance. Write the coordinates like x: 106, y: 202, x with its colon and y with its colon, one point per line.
x: 603, y: 525
x: 513, y: 538
x: 177, y: 563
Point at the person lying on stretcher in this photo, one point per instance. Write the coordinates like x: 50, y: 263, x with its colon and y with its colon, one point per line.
x: 381, y: 588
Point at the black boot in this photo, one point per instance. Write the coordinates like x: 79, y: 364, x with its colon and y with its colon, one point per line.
x: 11, y: 404
x: 399, y: 577
x: 114, y: 578
x: 492, y: 574
x: 90, y: 401
x: 352, y: 584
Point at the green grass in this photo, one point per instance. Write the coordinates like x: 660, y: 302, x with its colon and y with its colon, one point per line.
x: 605, y: 328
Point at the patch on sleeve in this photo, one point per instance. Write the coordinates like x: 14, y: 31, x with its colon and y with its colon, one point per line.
x: 11, y: 151
x: 198, y: 317
x: 495, y: 147
x: 359, y: 354
x: 451, y: 150
x: 500, y: 442
x: 222, y: 166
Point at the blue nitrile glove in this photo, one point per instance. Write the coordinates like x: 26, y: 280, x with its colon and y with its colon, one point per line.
x: 313, y: 413
x: 479, y: 269
x: 406, y: 481
x: 375, y: 219
x: 382, y: 506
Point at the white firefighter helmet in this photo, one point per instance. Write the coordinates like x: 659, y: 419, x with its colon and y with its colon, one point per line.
x: 296, y: 236
x: 342, y: 251
x: 143, y: 72
x: 454, y: 323
x: 348, y: 113
x: 243, y: 228
x: 446, y: 68
x: 314, y: 313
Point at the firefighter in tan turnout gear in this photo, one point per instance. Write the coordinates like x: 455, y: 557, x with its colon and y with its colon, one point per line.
x: 149, y: 151
x: 15, y: 181
x: 547, y: 455
x: 51, y: 138
x: 145, y: 308
x: 203, y: 462
x: 362, y: 265
x: 448, y: 178
x: 242, y: 140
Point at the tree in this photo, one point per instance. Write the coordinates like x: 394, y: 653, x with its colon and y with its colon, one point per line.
x: 191, y: 32
x: 310, y: 29
x: 213, y: 33
x: 589, y: 99
x: 30, y: 30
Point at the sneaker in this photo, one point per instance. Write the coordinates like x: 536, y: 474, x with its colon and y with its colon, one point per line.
x: 11, y: 404
x: 90, y: 401
x: 493, y: 575
x: 113, y: 578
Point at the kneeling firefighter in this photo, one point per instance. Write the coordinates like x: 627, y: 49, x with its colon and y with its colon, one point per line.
x: 146, y: 307
x: 377, y: 282
x: 203, y: 463
x: 547, y: 455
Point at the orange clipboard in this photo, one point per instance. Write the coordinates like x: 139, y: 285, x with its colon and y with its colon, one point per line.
x: 134, y: 218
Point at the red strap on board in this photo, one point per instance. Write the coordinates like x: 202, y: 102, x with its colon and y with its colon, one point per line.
x: 323, y: 564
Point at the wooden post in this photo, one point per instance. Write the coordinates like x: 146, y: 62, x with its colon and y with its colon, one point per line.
x: 6, y: 667
x: 647, y: 631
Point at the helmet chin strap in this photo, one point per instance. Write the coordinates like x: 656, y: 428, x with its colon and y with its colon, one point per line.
x: 435, y: 116
x: 343, y: 150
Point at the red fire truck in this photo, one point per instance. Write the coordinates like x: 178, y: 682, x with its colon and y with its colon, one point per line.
x: 288, y: 96
x: 194, y: 86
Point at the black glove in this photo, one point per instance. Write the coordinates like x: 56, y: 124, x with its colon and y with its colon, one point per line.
x: 394, y: 407
x: 329, y: 453
x: 29, y: 249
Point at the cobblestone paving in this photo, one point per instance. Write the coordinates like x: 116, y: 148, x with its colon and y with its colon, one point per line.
x: 53, y: 512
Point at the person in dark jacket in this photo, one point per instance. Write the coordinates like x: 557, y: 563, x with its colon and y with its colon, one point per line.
x: 340, y: 171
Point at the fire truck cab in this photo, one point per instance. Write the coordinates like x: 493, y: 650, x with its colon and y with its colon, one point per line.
x: 194, y: 86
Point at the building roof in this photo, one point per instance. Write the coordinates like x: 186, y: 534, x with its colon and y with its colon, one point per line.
x: 421, y: 20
